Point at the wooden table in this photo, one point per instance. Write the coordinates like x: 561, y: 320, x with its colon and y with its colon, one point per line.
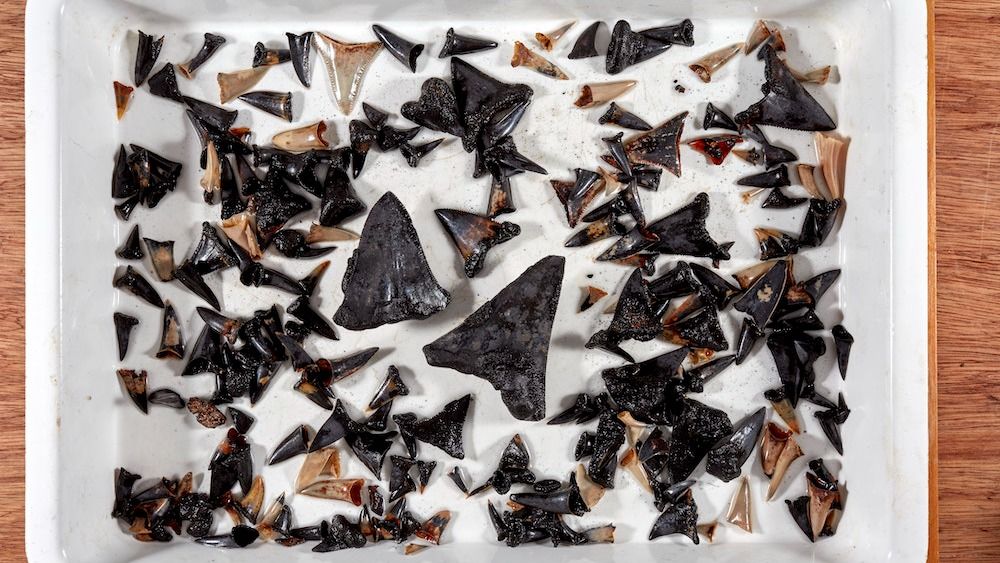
x: 968, y: 273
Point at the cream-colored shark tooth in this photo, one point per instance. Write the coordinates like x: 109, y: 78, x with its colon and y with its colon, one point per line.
x: 346, y: 67
x: 232, y: 84
x: 527, y: 58
x: 706, y: 66
x: 303, y: 138
x: 600, y: 93
x: 740, y: 510
x: 548, y: 40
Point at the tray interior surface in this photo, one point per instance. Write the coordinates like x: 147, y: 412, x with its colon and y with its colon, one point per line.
x: 99, y: 430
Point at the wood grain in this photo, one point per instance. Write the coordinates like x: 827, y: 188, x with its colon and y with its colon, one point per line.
x: 968, y: 259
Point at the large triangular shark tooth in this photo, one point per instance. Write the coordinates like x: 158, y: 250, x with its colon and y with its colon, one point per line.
x: 346, y: 67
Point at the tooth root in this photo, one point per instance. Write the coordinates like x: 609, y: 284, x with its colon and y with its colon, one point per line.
x: 630, y: 461
x: 232, y: 84
x: 740, y: 511
x: 123, y: 94
x: 706, y: 66
x: 591, y: 492
x: 527, y: 58
x: 548, y: 40
x: 596, y: 94
x: 346, y: 66
x: 303, y: 138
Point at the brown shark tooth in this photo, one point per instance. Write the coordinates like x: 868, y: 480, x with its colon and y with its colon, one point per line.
x: 346, y: 67
x: 211, y: 180
x: 759, y: 33
x: 708, y: 65
x: 818, y: 76
x: 783, y: 407
x: 715, y: 148
x: 831, y: 152
x: 347, y: 490
x: 211, y: 44
x: 708, y: 530
x: 475, y: 235
x: 319, y: 465
x: 123, y: 94
x: 432, y: 529
x: 319, y: 233
x: 303, y: 138
x: 630, y: 462
x: 161, y: 254
x: 241, y: 229
x: 527, y: 58
x: 548, y: 40
x: 232, y: 84
x: 171, y: 339
x: 251, y: 503
x: 740, y: 511
x: 135, y: 385
x: 777, y: 451
x: 599, y: 93
x: 591, y: 295
x: 807, y: 179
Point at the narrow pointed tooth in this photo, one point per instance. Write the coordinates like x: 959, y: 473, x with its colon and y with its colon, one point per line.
x: 278, y: 104
x: 296, y: 443
x: 347, y: 490
x: 232, y: 84
x: 455, y: 44
x: 630, y: 461
x: 346, y: 66
x: 830, y: 421
x: 759, y: 32
x: 456, y: 477
x: 776, y: 178
x: 217, y: 117
x: 265, y: 56
x: 783, y: 407
x: 728, y: 456
x: 309, y: 282
x: 135, y: 385
x: 831, y: 152
x: 298, y: 48
x: 807, y: 179
x: 715, y: 118
x: 211, y: 180
x: 404, y: 51
x: 349, y: 365
x: 131, y: 249
x: 501, y: 197
x: 123, y: 331
x: 622, y: 118
x: 599, y: 93
x: 253, y: 500
x: 474, y: 236
x: 363, y: 137
x: 225, y: 326
x: 292, y: 243
x: 303, y: 138
x: 320, y: 465
x: 301, y: 310
x: 777, y: 452
x: 820, y: 219
x: 527, y: 58
x: 415, y: 153
x: 400, y: 482
x: 133, y: 282
x: 601, y: 229
x: 740, y: 511
x: 123, y: 181
x: 843, y: 341
x: 585, y: 45
x: 548, y: 40
x: 707, y: 65
x: 392, y: 387
x: 123, y: 94
x: 171, y: 338
x: 147, y: 51
x: 424, y: 471
x: 749, y: 335
x: 778, y: 199
x: 209, y: 47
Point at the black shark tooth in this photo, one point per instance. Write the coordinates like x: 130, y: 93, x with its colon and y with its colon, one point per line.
x: 776, y: 178
x: 123, y: 331
x: 696, y: 378
x: 819, y: 221
x: 436, y: 108
x: 161, y: 256
x: 130, y: 248
x: 727, y: 456
x: 699, y: 329
x: 760, y: 300
x: 415, y: 153
x: 123, y: 181
x: 715, y: 118
x: 455, y: 44
x: 146, y: 53
x: 443, y: 430
x: 296, y: 443
x: 608, y: 439
x: 292, y: 244
x: 163, y: 83
x: 628, y: 47
x: 211, y: 44
x: 680, y: 517
x: 681, y: 33
x: 266, y: 56
x: 389, y: 257
x: 635, y: 318
x: 750, y: 333
x: 241, y: 420
x: 166, y: 398
x: 623, y: 118
x: 474, y: 235
x: 278, y: 104
x: 659, y: 146
x: 219, y: 118
x: 403, y: 50
x: 775, y: 244
x: 363, y: 137
x: 311, y: 319
x: 392, y: 387
x: 697, y: 431
x: 135, y: 385
x: 482, y: 98
x: 340, y: 202
x: 171, y: 338
x: 830, y: 421
x: 299, y: 47
x: 586, y: 44
x: 649, y: 390
x: 506, y: 340
x: 133, y: 282
x: 584, y: 409
x: 786, y: 102
x: 843, y: 342
x: 778, y: 199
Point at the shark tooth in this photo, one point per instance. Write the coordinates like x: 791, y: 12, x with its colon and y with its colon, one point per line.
x: 600, y: 93
x: 843, y: 341
x: 123, y: 94
x: 211, y: 44
x: 268, y: 56
x: 679, y: 517
x: 456, y: 44
x: 146, y: 53
x: 549, y: 40
x: 404, y: 51
x: 443, y: 430
x: 474, y: 235
x: 623, y: 118
x: 278, y: 104
x: 761, y: 298
x: 715, y: 148
x: 527, y: 58
x: 389, y: 257
x: 346, y: 67
x: 709, y: 64
x: 659, y: 146
x: 171, y: 339
x: 786, y: 102
x: 482, y: 99
x: 391, y: 388
x: 135, y: 385
x: 232, y: 84
x: 586, y: 44
x: 778, y: 450
x: 729, y: 454
x: 298, y: 49
x: 628, y: 47
x: 740, y: 510
x: 506, y: 340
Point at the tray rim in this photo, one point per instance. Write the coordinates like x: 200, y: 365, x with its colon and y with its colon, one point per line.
x: 42, y: 229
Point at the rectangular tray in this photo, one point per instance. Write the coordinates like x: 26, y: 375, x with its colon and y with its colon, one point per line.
x: 79, y: 427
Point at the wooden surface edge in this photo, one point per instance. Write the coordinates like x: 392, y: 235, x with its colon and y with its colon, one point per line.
x: 933, y: 547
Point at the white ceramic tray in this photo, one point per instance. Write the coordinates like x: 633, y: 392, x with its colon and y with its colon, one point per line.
x: 79, y: 427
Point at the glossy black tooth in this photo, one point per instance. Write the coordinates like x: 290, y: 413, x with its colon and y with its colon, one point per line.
x: 265, y: 56
x: 240, y: 536
x: 123, y: 181
x: 219, y: 118
x: 819, y: 221
x: 400, y: 482
x: 584, y: 446
x: 146, y: 53
x: 205, y: 357
x: 296, y: 443
x: 378, y: 420
x: 778, y: 199
x: 830, y: 421
x: 392, y: 387
x: 617, y: 151
x: 278, y: 280
x: 403, y: 50
x: 133, y: 282
x: 455, y: 44
x: 232, y: 201
x: 799, y: 509
x: 503, y: 159
x: 124, y: 209
x: 623, y: 118
x: 299, y: 47
x: 278, y: 104
x: 292, y: 244
x: 786, y: 102
x: 299, y: 168
x: 456, y: 477
x: 340, y: 202
x: 309, y: 282
x: 249, y: 181
x: 124, y: 481
x: 301, y: 360
x: 488, y: 346
x: 424, y: 471
x: 371, y: 448
x: 413, y: 154
x: 749, y: 335
x: 728, y: 455
x: 208, y: 48
x: 680, y: 517
x: 648, y: 390
x: 598, y: 230
x: 700, y: 427
x: 634, y: 319
x: 612, y: 208
x: 211, y: 253
x: 677, y: 34
x: 375, y: 116
x: 130, y: 248
x: 154, y: 174
x: 481, y: 98
x: 630, y: 244
x: 166, y: 398
x: 393, y: 260
x: 363, y: 137
x: 171, y: 337
x: 164, y: 84
x: 161, y: 254
x: 775, y: 244
x: 135, y: 385
x: 608, y: 439
x: 301, y: 310
x: 659, y: 146
x: 390, y: 138
x: 501, y: 198
x: 715, y: 118
x: 443, y: 430
x: 241, y: 420
x: 630, y: 195
x: 566, y: 501
x: 336, y: 426
x: 808, y: 321
x: 776, y: 178
x: 796, y: 374
x: 123, y: 331
x: 348, y: 365
x: 843, y: 342
x: 628, y: 48
x: 700, y: 329
x: 586, y: 43
x: 756, y: 300
x: 474, y: 236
